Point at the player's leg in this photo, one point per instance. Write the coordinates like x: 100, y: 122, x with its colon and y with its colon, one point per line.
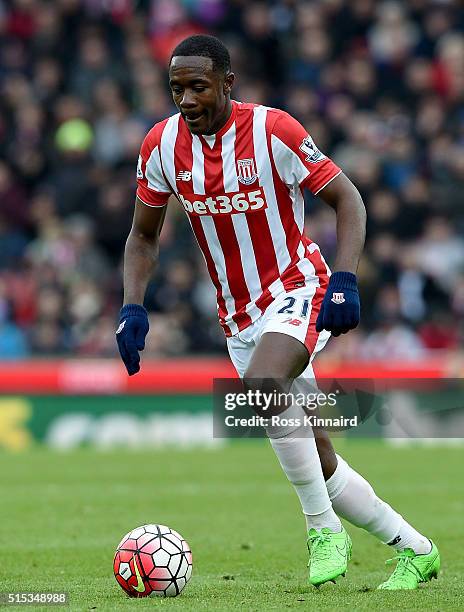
x: 326, y: 452
x: 354, y: 499
x: 278, y: 359
x: 282, y: 357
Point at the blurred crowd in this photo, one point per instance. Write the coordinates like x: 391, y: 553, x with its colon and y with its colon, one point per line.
x: 378, y: 84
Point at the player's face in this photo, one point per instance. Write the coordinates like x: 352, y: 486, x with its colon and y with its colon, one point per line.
x: 201, y: 94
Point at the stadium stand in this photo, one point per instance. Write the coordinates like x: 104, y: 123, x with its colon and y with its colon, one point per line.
x: 379, y: 85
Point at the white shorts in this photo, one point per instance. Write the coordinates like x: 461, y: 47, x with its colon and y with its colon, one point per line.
x: 293, y: 313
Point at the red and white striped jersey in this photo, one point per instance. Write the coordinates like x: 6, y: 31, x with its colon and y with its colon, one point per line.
x: 242, y: 190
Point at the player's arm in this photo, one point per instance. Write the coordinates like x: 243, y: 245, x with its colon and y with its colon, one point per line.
x: 340, y: 308
x: 140, y: 258
x: 346, y: 200
x: 141, y: 252
x: 299, y: 161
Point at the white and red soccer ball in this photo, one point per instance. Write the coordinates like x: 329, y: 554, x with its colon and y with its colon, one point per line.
x: 153, y: 560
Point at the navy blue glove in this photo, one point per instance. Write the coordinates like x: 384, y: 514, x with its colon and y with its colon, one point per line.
x: 340, y: 307
x: 130, y: 335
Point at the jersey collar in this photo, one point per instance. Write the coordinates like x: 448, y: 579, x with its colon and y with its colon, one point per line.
x: 226, y: 125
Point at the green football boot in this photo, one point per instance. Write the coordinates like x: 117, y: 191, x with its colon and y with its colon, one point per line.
x: 412, y: 569
x: 329, y: 553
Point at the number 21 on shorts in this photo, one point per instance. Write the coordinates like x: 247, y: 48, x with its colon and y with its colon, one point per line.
x: 289, y: 307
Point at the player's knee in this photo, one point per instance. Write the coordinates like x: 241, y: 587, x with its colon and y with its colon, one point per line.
x: 259, y: 372
x: 276, y: 362
x: 265, y: 380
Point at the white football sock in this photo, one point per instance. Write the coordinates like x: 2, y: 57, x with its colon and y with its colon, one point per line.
x: 355, y: 500
x: 325, y: 519
x: 408, y: 537
x: 300, y: 461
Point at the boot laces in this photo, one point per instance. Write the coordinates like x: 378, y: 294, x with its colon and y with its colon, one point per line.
x: 317, y: 549
x: 405, y: 564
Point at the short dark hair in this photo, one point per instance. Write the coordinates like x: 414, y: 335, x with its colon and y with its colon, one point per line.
x: 205, y: 46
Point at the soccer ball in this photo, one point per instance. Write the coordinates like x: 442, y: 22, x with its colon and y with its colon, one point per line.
x: 153, y: 560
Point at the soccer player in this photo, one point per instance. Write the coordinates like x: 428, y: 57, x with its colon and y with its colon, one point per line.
x: 239, y: 171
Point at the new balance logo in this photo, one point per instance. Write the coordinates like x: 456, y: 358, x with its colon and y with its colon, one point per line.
x: 294, y: 322
x: 184, y: 175
x: 338, y: 298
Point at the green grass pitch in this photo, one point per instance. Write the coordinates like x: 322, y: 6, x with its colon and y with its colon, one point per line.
x: 64, y: 514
